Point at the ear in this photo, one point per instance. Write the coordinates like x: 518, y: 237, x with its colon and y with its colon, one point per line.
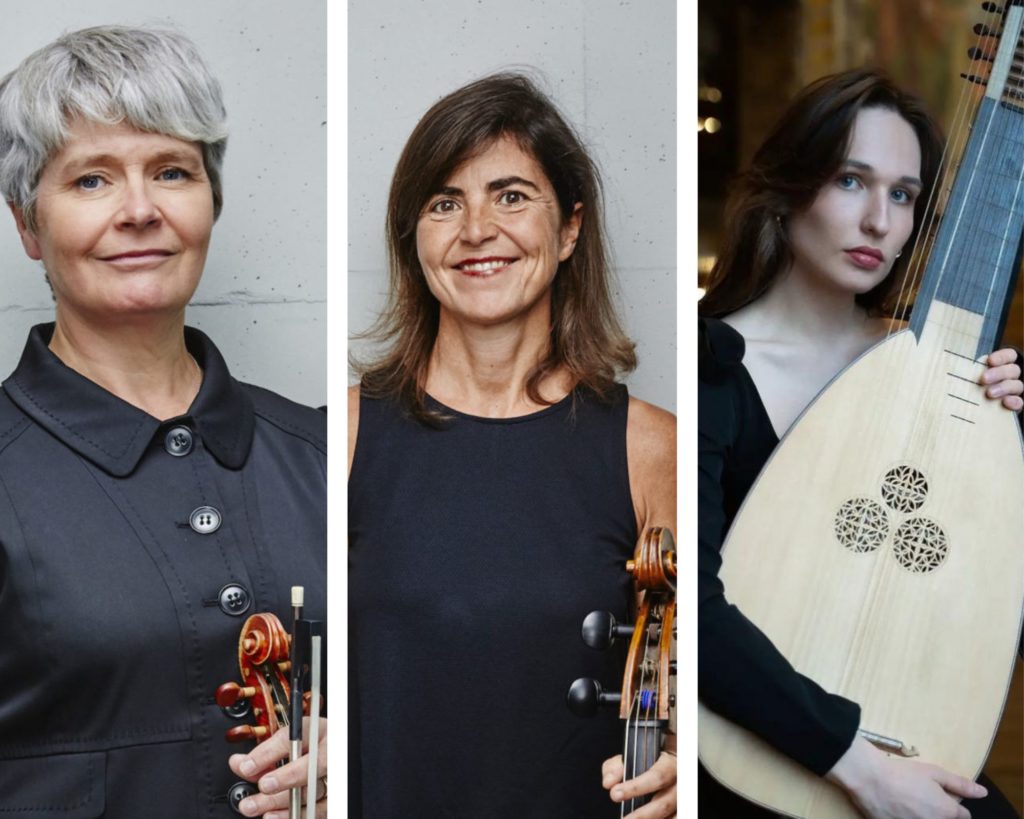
x: 28, y: 237
x: 570, y: 232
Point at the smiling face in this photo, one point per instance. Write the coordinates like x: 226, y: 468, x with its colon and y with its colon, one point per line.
x: 848, y: 238
x: 490, y: 241
x: 122, y: 223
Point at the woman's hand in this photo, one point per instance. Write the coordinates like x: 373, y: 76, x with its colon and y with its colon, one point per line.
x: 660, y: 780
x: 884, y: 787
x: 1003, y: 379
x: 275, y: 783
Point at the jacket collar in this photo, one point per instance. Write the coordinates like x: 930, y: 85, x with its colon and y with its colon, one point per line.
x: 110, y: 432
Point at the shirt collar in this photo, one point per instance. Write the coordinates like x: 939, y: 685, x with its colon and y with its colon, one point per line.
x: 110, y: 432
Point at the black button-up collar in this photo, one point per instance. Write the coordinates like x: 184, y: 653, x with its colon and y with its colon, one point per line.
x: 110, y: 432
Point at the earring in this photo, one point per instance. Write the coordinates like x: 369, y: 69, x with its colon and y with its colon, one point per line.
x: 899, y: 254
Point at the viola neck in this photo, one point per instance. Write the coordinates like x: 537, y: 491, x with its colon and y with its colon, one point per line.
x: 642, y: 747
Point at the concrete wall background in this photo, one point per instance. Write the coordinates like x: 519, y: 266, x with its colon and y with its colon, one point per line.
x: 610, y: 66
x: 263, y: 294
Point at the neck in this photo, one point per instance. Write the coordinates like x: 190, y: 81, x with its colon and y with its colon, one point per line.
x: 145, y: 365
x: 483, y: 370
x: 810, y: 309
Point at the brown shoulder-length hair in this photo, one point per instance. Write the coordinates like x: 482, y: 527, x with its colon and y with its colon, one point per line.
x: 805, y: 150
x: 586, y: 337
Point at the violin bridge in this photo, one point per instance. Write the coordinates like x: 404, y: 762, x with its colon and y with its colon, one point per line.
x: 888, y: 744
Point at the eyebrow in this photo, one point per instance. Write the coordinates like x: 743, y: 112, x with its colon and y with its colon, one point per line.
x: 493, y: 185
x: 864, y: 166
x: 176, y: 156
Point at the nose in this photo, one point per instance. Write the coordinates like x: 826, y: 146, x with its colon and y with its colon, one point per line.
x: 477, y: 225
x: 137, y: 206
x: 877, y: 216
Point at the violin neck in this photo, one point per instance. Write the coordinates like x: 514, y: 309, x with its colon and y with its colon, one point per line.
x: 642, y: 748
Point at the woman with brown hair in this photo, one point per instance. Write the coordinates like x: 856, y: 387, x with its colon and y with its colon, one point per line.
x: 816, y: 245
x: 499, y: 478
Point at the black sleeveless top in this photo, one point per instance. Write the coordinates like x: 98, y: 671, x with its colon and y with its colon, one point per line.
x: 475, y: 552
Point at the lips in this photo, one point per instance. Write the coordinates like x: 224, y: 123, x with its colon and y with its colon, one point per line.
x: 137, y: 254
x: 867, y: 258
x: 485, y: 266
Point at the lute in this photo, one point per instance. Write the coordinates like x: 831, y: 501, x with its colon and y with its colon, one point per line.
x: 881, y: 548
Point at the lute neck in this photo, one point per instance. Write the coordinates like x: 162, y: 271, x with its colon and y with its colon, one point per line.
x: 974, y: 261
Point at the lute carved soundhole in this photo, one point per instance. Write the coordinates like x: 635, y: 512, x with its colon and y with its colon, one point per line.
x: 861, y: 525
x: 920, y: 545
x: 904, y: 489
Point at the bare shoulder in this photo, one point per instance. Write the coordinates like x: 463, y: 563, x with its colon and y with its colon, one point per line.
x: 651, y: 456
x: 353, y: 421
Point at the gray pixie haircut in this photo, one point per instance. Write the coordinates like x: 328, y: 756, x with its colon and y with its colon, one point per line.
x: 149, y: 78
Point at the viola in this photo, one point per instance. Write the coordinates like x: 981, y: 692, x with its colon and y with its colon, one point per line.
x: 647, y: 695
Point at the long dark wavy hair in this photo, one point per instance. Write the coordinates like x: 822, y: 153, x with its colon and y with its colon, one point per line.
x: 803, y: 152
x: 586, y: 338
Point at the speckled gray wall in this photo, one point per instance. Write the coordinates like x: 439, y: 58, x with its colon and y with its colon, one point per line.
x: 263, y: 294
x: 611, y: 67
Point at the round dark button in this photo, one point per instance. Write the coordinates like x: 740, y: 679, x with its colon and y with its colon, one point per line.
x: 205, y: 520
x: 239, y: 710
x: 233, y: 599
x: 238, y: 792
x: 178, y: 441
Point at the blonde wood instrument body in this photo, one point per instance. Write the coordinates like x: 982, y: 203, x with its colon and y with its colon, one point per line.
x: 881, y: 551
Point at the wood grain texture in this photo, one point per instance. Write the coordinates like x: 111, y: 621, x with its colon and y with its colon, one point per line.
x: 927, y: 654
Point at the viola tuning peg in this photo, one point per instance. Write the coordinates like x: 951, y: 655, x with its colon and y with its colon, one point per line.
x: 241, y: 733
x: 982, y: 30
x: 973, y: 78
x: 976, y: 53
x: 600, y: 629
x: 230, y: 693
x: 992, y: 8
x: 585, y: 696
x: 285, y: 666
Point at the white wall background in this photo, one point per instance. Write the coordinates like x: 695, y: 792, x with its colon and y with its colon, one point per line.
x: 263, y: 294
x: 609, y: 65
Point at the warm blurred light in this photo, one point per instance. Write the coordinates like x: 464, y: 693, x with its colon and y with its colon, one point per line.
x: 700, y: 124
x: 700, y: 293
x: 705, y: 263
x: 712, y: 125
x: 709, y: 93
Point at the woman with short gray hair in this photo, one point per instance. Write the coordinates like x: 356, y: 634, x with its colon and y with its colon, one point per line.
x: 148, y: 500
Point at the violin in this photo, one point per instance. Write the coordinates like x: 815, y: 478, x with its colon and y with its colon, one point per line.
x: 275, y: 666
x: 647, y: 695
x: 264, y: 660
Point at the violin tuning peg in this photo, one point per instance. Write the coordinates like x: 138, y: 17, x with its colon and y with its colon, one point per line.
x: 982, y: 30
x: 230, y: 693
x: 586, y: 695
x: 976, y: 53
x: 285, y: 666
x: 992, y: 8
x: 241, y: 733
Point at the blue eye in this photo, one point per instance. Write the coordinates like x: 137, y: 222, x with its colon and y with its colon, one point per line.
x: 847, y: 181
x: 90, y: 182
x: 173, y: 174
x: 902, y: 197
